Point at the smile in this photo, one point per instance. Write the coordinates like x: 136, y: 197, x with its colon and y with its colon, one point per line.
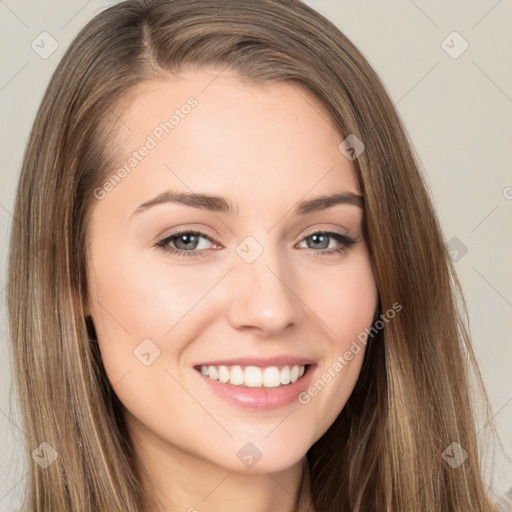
x: 254, y: 376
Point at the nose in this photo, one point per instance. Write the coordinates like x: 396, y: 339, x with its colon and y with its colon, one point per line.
x: 263, y: 297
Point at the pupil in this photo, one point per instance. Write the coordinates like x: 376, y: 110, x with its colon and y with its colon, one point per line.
x: 187, y: 240
x: 316, y: 238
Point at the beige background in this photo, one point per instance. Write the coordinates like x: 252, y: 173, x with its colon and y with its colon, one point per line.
x: 458, y: 112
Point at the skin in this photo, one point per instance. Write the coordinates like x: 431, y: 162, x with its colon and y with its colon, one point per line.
x: 264, y: 147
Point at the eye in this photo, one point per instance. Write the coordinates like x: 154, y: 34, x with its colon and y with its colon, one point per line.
x: 186, y: 243
x: 322, y: 240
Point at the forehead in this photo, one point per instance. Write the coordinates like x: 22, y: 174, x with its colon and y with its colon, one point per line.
x: 208, y: 131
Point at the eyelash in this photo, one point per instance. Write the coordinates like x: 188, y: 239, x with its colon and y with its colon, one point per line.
x: 345, y: 241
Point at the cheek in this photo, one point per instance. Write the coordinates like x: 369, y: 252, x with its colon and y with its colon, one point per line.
x: 141, y: 296
x: 347, y: 308
x: 144, y: 306
x: 347, y: 303
x: 142, y: 310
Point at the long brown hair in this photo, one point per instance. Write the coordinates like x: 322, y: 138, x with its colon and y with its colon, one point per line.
x: 412, y: 399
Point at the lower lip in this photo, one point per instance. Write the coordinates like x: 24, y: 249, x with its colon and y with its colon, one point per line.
x: 261, y: 398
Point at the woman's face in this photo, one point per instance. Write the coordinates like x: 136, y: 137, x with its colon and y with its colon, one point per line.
x: 253, y: 289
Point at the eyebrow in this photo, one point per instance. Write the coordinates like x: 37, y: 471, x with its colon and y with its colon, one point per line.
x: 222, y: 205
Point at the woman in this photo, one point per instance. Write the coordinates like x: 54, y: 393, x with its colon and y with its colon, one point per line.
x: 190, y: 345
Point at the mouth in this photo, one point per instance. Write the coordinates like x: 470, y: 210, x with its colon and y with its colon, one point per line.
x: 249, y: 376
x: 260, y: 384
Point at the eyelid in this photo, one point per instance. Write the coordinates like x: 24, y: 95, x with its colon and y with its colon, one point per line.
x: 313, y: 231
x: 202, y: 231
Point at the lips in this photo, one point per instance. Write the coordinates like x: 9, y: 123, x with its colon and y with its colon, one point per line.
x: 260, y: 383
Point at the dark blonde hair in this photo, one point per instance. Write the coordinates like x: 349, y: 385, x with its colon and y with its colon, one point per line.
x: 412, y: 398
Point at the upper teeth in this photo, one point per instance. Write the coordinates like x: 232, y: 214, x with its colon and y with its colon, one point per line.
x: 253, y: 376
